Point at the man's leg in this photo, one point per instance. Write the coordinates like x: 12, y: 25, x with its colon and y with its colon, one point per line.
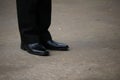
x: 27, y: 20
x: 28, y: 26
x: 44, y: 19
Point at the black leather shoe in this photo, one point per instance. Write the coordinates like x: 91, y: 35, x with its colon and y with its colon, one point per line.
x: 53, y: 45
x: 36, y: 49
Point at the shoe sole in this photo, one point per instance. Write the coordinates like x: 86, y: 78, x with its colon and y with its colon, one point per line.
x: 30, y: 52
x: 58, y: 49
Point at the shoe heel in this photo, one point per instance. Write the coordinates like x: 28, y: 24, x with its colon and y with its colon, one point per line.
x: 23, y: 48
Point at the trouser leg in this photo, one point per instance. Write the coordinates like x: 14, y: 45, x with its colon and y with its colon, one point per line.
x: 44, y: 19
x: 34, y: 18
x: 27, y: 19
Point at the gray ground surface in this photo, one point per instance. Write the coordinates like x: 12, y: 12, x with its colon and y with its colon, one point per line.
x: 90, y: 27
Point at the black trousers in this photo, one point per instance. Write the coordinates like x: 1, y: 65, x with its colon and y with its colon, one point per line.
x: 34, y: 19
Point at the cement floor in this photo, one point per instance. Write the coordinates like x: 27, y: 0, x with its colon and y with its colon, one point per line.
x: 90, y: 27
